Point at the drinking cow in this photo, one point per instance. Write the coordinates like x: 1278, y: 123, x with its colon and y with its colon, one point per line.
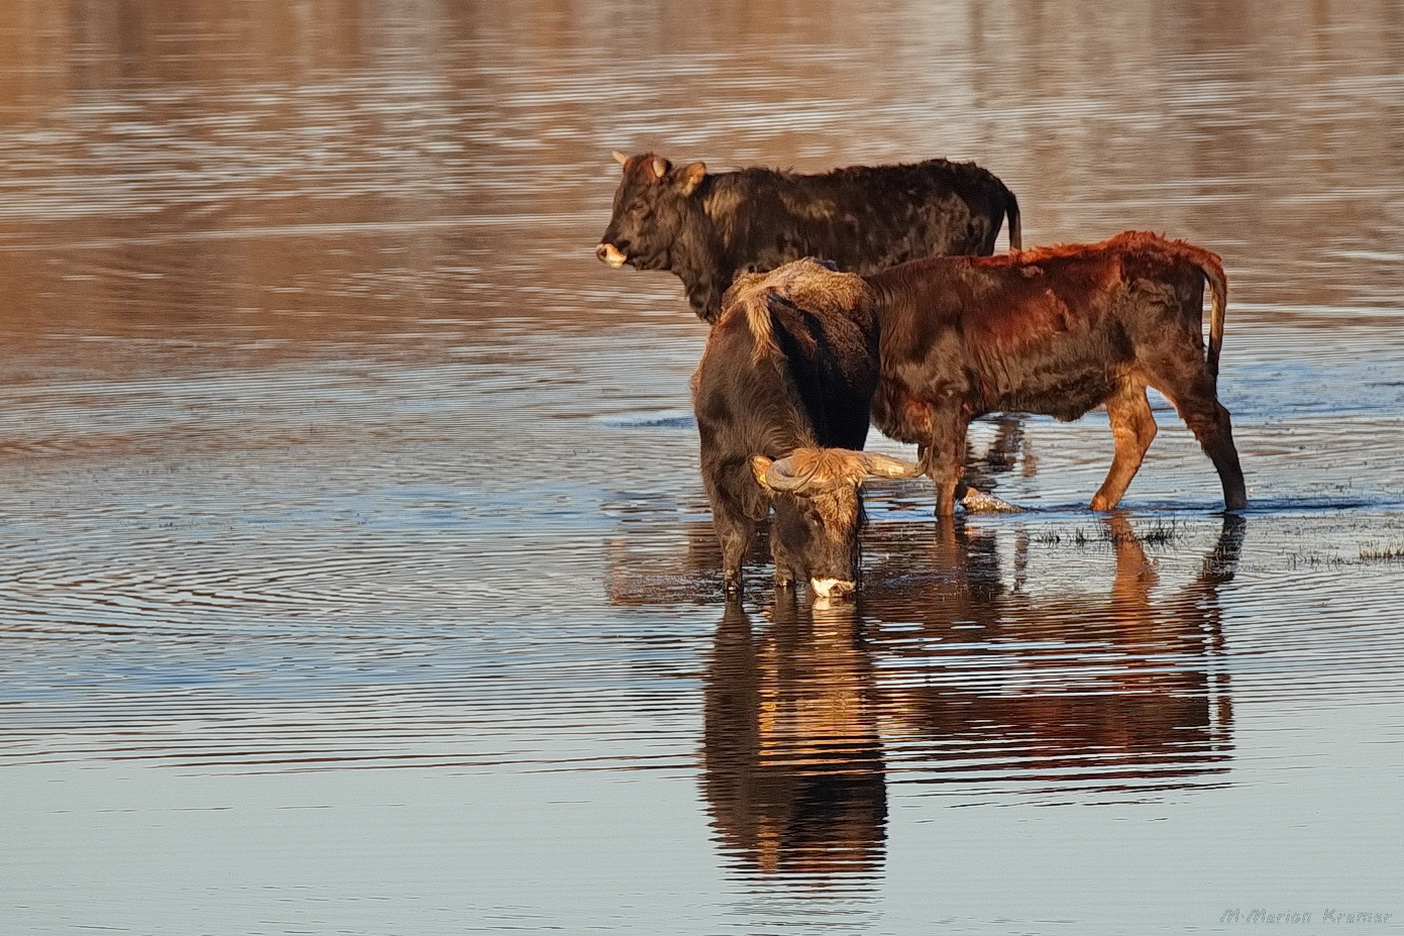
x: 782, y: 399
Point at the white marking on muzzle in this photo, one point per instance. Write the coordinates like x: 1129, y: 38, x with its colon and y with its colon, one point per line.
x: 831, y: 588
x: 611, y: 255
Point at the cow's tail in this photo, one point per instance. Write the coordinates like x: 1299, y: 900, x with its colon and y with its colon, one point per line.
x: 1011, y: 211
x: 1218, y: 307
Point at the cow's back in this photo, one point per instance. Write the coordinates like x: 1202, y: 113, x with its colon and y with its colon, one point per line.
x: 906, y: 212
x: 1046, y: 331
x: 819, y: 327
x: 862, y: 219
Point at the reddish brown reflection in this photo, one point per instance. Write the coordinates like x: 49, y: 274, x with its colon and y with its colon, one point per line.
x: 792, y: 760
x: 1113, y: 691
x: 954, y: 677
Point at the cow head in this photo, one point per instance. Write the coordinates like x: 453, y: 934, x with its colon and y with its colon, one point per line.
x: 819, y: 510
x: 650, y: 209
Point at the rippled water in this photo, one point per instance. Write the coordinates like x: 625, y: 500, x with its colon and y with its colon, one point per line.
x: 356, y: 575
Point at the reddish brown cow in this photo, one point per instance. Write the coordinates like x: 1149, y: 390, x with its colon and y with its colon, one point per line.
x: 1057, y: 331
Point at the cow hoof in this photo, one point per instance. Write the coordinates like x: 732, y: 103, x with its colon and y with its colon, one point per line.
x: 979, y: 502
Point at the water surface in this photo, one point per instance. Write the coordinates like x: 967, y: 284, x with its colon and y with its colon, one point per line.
x: 357, y: 577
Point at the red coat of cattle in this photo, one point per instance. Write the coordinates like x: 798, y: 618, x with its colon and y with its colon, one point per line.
x: 1056, y: 331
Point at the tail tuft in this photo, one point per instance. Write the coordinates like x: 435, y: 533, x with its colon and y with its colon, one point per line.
x: 1011, y: 210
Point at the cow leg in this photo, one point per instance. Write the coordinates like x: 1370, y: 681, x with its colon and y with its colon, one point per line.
x: 736, y: 502
x: 943, y: 459
x: 1215, y: 434
x: 1198, y: 405
x: 785, y: 561
x: 1133, y: 427
x: 734, y: 533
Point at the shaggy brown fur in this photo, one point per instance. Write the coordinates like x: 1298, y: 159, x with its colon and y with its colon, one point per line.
x: 843, y: 300
x: 787, y: 378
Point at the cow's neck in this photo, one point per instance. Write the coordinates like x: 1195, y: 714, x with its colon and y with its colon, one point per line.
x: 699, y: 260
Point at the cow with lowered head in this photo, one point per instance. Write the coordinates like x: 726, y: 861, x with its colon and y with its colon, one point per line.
x: 1057, y: 331
x: 782, y: 398
x: 709, y: 227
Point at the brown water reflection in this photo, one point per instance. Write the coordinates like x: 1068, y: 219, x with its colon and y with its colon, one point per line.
x: 1101, y: 694
x: 955, y: 678
x: 791, y: 754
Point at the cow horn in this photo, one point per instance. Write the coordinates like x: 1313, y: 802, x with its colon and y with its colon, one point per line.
x: 884, y: 466
x: 660, y: 166
x: 620, y: 158
x: 779, y: 475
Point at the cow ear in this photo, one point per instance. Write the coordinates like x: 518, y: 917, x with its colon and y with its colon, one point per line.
x: 883, y: 466
x: 759, y: 466
x: 692, y: 177
x: 620, y: 158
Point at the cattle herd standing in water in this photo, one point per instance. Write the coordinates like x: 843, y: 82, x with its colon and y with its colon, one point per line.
x: 870, y: 294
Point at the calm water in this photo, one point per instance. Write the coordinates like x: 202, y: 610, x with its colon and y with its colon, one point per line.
x: 356, y: 576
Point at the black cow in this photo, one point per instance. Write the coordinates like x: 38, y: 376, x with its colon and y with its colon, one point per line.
x: 709, y: 227
x: 1058, y: 331
x: 782, y: 397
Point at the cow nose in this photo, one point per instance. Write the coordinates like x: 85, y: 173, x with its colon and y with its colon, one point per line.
x: 611, y: 254
x: 831, y: 588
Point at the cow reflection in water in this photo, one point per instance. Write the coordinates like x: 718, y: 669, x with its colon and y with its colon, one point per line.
x: 792, y: 759
x: 1096, y: 694
x: 1090, y: 697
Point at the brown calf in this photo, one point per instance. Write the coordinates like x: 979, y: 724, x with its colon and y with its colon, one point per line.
x: 1057, y: 331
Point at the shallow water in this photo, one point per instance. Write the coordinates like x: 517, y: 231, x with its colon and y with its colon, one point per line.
x: 356, y: 574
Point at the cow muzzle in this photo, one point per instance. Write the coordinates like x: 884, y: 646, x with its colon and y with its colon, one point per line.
x: 611, y: 254
x: 830, y: 588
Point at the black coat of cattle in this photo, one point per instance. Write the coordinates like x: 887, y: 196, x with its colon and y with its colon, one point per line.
x: 1057, y: 331
x: 782, y: 397
x: 709, y: 227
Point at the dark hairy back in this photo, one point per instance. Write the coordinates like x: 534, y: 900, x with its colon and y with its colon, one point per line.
x: 861, y: 218
x: 793, y: 359
x: 708, y: 228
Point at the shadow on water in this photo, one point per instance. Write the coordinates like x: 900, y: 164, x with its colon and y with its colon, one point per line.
x: 810, y: 711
